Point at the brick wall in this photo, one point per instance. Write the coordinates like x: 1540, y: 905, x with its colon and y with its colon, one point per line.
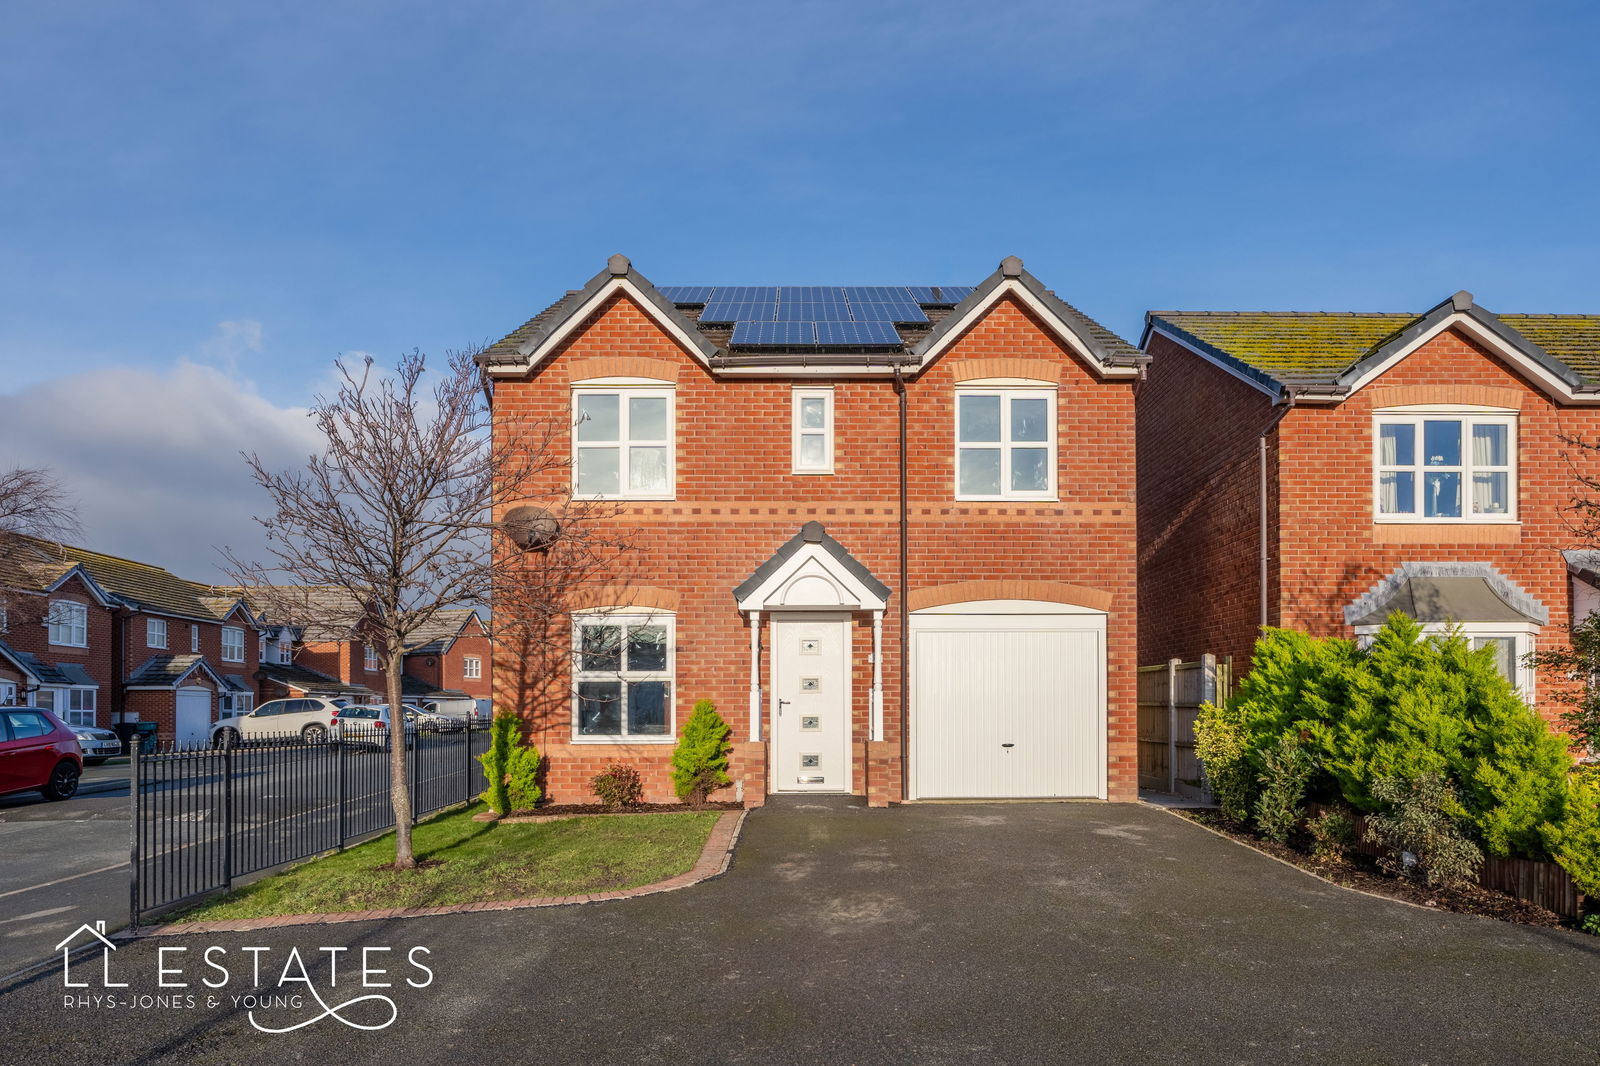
x: 737, y: 502
x: 27, y: 632
x: 1200, y: 509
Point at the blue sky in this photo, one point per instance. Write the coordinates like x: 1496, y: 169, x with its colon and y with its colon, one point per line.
x: 210, y: 201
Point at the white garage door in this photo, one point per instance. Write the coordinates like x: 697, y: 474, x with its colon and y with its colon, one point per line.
x: 194, y: 716
x: 1007, y: 701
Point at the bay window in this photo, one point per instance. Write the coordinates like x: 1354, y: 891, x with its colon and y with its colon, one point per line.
x: 622, y: 446
x: 1444, y: 467
x: 622, y: 676
x: 1005, y: 444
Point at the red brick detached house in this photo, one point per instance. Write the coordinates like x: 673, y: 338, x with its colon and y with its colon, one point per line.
x: 978, y: 642
x: 1320, y: 470
x: 127, y: 642
x: 456, y: 659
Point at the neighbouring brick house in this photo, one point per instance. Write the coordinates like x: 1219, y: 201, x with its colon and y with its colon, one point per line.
x: 456, y: 658
x: 56, y: 635
x: 1320, y: 470
x: 751, y: 439
x: 130, y: 641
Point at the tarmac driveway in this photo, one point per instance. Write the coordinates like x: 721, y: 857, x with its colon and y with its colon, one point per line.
x: 1060, y: 933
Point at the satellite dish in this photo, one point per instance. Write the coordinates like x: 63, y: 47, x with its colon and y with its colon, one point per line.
x: 533, y: 529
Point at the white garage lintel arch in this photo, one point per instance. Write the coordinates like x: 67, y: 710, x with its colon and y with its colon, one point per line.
x: 813, y: 572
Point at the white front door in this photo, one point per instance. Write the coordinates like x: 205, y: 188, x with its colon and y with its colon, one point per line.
x: 811, y: 703
x: 194, y: 716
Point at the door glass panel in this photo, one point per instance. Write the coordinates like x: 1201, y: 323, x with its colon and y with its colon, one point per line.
x: 647, y: 470
x: 980, y: 418
x: 1030, y: 469
x: 647, y: 707
x: 1441, y: 443
x: 600, y: 649
x: 813, y: 412
x: 598, y: 417
x: 597, y: 471
x: 647, y: 418
x: 599, y: 708
x: 1030, y: 419
x: 1442, y: 493
x: 647, y: 648
x: 980, y: 471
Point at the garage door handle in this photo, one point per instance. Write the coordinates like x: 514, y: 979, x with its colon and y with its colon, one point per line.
x: 1008, y: 745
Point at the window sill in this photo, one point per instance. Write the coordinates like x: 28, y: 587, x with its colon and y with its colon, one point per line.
x: 1008, y: 499
x: 625, y: 741
x: 626, y: 499
x: 1446, y: 532
x: 811, y: 473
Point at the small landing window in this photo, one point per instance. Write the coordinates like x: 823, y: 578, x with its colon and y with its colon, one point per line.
x: 813, y: 431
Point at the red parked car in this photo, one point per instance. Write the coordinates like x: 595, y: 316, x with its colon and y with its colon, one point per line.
x: 38, y: 751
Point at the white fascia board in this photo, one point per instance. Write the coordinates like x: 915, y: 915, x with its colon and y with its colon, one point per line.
x: 581, y: 315
x: 1547, y: 381
x: 104, y: 598
x: 876, y: 370
x: 1064, y: 332
x: 1256, y: 383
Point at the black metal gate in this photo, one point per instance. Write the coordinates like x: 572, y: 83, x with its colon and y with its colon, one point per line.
x: 204, y: 816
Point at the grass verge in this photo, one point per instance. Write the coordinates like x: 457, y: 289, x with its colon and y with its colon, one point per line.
x: 475, y: 862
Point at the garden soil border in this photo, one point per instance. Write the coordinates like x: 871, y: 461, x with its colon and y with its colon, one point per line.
x: 714, y: 860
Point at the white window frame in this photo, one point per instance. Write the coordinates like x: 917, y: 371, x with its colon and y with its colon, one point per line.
x: 5, y: 621
x: 826, y: 432
x: 76, y: 702
x: 624, y: 618
x: 369, y: 658
x: 1005, y: 444
x: 624, y: 441
x: 234, y: 703
x: 194, y: 639
x: 472, y: 667
x: 68, y: 622
x: 227, y: 644
x: 1468, y: 417
x: 1525, y: 634
x: 155, y: 633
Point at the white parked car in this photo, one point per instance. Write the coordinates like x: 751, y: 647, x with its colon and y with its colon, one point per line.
x: 97, y: 744
x: 369, y: 723
x: 311, y: 717
x: 461, y: 710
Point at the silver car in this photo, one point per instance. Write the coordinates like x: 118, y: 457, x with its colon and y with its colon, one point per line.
x: 97, y: 744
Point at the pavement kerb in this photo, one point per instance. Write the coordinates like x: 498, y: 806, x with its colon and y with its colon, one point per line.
x: 714, y: 860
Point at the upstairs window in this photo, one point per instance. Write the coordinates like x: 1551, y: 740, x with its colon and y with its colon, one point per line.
x: 369, y: 657
x: 155, y: 632
x: 622, y: 443
x: 232, y: 644
x: 623, y: 676
x: 813, y: 431
x: 194, y: 639
x: 69, y: 624
x: 1005, y: 444
x: 1444, y: 467
x: 472, y: 667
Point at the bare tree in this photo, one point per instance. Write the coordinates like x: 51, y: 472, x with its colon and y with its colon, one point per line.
x: 33, y: 506
x: 396, y: 520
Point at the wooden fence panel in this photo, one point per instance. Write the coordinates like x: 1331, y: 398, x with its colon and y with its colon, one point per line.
x: 1170, y: 696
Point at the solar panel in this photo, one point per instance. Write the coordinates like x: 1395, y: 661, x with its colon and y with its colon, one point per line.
x: 719, y: 310
x: 686, y: 294
x: 856, y: 333
x: 808, y: 293
x: 901, y: 311
x: 754, y: 293
x: 774, y: 334
x: 940, y: 294
x: 876, y: 293
x: 813, y: 312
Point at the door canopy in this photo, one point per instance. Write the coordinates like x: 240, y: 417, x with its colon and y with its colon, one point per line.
x: 812, y: 571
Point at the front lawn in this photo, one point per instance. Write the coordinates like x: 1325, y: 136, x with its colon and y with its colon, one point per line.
x: 475, y: 862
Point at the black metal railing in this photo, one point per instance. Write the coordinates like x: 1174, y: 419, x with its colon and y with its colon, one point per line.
x: 202, y: 817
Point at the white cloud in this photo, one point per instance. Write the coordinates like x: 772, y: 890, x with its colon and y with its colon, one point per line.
x: 153, y: 458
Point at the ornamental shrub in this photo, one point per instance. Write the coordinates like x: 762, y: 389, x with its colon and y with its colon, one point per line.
x: 700, y: 760
x: 618, y: 786
x: 510, y: 766
x: 1421, y: 831
x: 1332, y: 833
x: 1222, y: 745
x: 1574, y: 841
x: 1278, y: 808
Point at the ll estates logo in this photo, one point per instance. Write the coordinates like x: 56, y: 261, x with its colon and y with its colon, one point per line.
x: 274, y: 987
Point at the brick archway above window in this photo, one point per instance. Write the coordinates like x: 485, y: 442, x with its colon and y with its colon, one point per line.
x: 1009, y: 589
x: 622, y: 366
x: 1466, y: 395
x: 646, y: 596
x: 982, y: 369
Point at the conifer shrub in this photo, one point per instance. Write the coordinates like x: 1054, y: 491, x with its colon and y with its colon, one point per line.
x: 700, y: 759
x: 510, y: 766
x: 618, y: 786
x: 1574, y: 841
x: 1420, y: 830
x: 1223, y: 747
